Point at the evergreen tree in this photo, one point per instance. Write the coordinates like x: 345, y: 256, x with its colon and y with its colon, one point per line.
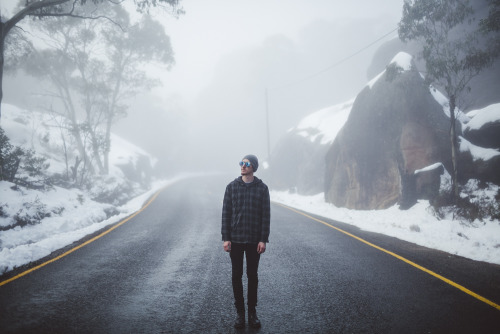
x: 453, y: 51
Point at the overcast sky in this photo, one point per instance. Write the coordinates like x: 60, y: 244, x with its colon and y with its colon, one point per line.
x: 212, y: 30
x: 228, y: 52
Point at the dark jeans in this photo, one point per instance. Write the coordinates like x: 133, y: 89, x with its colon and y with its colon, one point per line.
x: 252, y: 257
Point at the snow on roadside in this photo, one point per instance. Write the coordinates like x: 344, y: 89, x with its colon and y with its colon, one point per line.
x: 478, y: 241
x: 81, y: 216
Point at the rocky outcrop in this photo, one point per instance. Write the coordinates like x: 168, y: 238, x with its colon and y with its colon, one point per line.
x: 395, y: 128
x: 298, y: 160
x: 479, y: 169
x: 480, y: 146
x: 487, y: 136
x: 484, y: 127
x: 483, y: 87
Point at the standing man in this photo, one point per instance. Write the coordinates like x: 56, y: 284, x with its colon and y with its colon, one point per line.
x: 246, y: 217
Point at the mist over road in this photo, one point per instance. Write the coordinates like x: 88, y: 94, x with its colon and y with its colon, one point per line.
x: 165, y: 271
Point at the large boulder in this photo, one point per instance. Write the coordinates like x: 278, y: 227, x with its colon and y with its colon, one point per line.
x: 483, y: 87
x: 395, y: 127
x: 480, y: 146
x: 479, y: 163
x: 484, y: 127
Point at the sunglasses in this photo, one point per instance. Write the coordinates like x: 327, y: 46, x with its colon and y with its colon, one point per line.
x: 245, y: 163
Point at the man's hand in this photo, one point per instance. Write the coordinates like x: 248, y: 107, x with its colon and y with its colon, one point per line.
x: 227, y: 246
x: 261, y: 247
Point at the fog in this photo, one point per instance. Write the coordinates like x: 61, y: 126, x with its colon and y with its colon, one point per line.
x: 211, y: 108
x: 229, y: 53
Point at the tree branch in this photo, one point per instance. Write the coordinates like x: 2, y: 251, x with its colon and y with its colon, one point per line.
x: 28, y: 10
x: 80, y: 17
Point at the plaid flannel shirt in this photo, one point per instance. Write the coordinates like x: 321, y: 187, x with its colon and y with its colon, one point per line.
x: 246, y: 212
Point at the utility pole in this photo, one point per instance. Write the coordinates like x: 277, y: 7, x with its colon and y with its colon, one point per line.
x: 267, y: 123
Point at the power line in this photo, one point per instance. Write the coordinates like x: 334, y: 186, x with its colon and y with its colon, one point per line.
x: 335, y: 64
x: 310, y: 77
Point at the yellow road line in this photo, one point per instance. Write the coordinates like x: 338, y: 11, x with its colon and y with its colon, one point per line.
x: 83, y: 244
x: 430, y: 272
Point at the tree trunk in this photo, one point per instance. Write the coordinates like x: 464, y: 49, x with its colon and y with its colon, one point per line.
x: 6, y: 26
x: 112, y: 111
x: 71, y: 116
x: 107, y: 145
x: 454, y: 149
x: 93, y: 133
x: 95, y: 152
x: 2, y: 45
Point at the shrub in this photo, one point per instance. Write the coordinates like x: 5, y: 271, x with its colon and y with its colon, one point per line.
x: 20, y: 166
x: 392, y: 71
x: 107, y: 189
x: 10, y: 158
x: 477, y: 201
x: 31, y: 213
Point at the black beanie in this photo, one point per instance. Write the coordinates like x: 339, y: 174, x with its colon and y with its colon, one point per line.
x: 253, y: 160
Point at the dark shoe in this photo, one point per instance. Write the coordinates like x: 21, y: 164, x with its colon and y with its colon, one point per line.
x: 239, y: 322
x: 253, y: 321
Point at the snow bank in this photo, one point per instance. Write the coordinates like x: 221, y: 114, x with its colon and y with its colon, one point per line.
x: 480, y: 117
x: 33, y: 223
x: 402, y: 59
x: 477, y: 152
x: 41, y: 132
x: 479, y: 241
x: 325, y: 123
x: 80, y: 217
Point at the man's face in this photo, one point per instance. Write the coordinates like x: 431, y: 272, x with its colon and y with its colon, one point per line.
x: 246, y: 170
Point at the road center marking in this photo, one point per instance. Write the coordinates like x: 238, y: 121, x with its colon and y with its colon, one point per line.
x: 430, y: 272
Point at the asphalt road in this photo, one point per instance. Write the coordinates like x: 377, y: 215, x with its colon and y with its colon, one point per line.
x: 164, y: 271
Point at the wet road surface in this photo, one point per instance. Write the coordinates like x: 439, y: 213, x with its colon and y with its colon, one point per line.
x: 164, y: 271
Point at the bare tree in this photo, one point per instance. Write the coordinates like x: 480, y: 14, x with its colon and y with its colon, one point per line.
x: 95, y: 68
x: 68, y: 8
x: 145, y: 43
